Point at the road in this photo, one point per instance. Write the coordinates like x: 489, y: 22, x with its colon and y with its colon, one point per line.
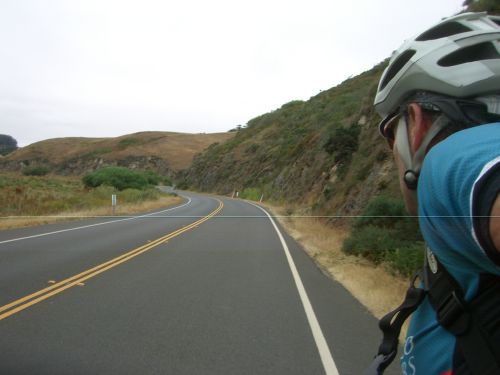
x: 210, y: 286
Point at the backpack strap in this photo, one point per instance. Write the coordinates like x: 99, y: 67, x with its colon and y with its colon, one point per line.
x: 391, y: 325
x: 453, y: 314
x: 446, y: 298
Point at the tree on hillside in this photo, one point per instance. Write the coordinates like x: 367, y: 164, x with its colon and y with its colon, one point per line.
x: 490, y: 6
x: 344, y: 141
x: 7, y: 144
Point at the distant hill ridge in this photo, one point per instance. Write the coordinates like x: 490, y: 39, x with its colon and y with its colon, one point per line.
x: 165, y: 152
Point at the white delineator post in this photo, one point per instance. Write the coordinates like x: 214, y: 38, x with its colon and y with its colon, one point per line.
x: 261, y: 198
x: 113, y: 202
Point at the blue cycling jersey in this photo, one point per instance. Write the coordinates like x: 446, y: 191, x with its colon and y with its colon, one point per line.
x: 453, y: 184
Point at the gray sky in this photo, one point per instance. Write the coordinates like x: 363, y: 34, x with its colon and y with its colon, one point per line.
x: 104, y: 68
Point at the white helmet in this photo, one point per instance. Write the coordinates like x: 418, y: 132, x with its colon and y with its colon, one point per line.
x: 453, y: 67
x: 459, y: 57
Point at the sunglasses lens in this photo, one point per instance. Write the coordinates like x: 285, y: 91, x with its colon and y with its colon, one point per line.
x: 390, y: 141
x: 389, y: 132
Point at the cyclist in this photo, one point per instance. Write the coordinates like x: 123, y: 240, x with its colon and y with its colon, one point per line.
x: 440, y: 103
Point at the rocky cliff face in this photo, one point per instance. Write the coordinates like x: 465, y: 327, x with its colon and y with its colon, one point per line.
x: 81, y: 166
x: 309, y: 179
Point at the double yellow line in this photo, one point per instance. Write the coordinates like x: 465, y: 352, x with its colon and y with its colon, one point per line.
x: 68, y: 283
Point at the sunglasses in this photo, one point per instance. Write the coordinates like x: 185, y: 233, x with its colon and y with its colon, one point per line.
x: 389, y: 130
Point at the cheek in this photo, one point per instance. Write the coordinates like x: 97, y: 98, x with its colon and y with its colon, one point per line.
x: 399, y: 164
x: 411, y: 205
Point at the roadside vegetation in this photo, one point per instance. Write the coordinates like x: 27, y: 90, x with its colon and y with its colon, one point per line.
x: 123, y: 178
x: 385, y: 234
x: 38, y: 200
x: 36, y: 170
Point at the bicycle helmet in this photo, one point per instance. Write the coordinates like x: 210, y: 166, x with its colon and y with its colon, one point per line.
x: 459, y: 57
x: 445, y: 68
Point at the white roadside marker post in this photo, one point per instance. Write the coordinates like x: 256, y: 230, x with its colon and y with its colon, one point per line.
x: 262, y: 196
x: 113, y: 203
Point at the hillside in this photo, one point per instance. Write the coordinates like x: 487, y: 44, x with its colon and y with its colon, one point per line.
x: 324, y: 154
x: 165, y: 152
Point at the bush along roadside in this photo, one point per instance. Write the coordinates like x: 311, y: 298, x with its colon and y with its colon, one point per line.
x: 46, y: 196
x: 36, y: 170
x: 120, y: 178
x: 384, y: 233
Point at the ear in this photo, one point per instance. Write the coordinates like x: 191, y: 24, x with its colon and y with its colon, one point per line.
x: 421, y: 124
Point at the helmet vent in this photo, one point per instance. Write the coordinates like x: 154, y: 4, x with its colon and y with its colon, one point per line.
x: 442, y: 31
x: 478, y: 52
x: 496, y: 20
x: 397, y: 66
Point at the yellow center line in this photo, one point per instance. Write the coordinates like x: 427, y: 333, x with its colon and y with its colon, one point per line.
x: 65, y: 284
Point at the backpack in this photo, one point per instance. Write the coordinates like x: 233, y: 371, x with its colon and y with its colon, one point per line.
x: 462, y: 319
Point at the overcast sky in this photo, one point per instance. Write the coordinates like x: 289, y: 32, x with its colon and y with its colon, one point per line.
x: 104, y: 68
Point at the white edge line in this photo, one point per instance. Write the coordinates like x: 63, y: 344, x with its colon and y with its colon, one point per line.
x: 324, y: 351
x: 93, y: 225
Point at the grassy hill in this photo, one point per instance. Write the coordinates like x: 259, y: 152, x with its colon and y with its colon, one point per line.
x: 324, y: 154
x: 176, y: 149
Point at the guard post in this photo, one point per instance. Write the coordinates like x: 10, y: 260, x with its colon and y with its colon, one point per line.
x: 113, y: 202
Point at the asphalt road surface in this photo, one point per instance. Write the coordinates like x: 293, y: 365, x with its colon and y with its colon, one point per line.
x: 210, y: 286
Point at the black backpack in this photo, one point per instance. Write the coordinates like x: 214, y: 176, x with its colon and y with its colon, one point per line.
x: 464, y: 320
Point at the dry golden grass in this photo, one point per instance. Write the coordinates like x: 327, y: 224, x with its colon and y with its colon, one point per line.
x: 177, y: 149
x: 124, y: 209
x: 379, y: 291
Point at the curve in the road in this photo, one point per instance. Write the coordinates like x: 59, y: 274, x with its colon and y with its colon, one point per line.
x: 74, y: 280
x: 94, y: 225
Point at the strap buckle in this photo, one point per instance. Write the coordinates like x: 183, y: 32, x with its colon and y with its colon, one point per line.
x: 452, y: 315
x: 380, y: 363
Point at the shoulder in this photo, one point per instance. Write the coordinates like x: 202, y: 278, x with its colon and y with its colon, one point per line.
x: 479, y: 143
x: 457, y: 162
x: 460, y: 180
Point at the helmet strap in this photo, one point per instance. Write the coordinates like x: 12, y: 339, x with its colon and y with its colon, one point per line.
x: 414, y: 165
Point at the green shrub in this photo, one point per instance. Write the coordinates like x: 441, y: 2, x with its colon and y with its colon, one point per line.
x: 252, y: 148
x: 490, y: 6
x: 152, y: 177
x: 167, y: 182
x: 128, y: 141
x: 293, y: 103
x: 382, y: 184
x: 183, y: 185
x: 327, y: 192
x: 118, y: 177
x: 343, y: 142
x: 36, y: 170
x: 385, y: 233
x: 96, y: 153
x: 252, y: 194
